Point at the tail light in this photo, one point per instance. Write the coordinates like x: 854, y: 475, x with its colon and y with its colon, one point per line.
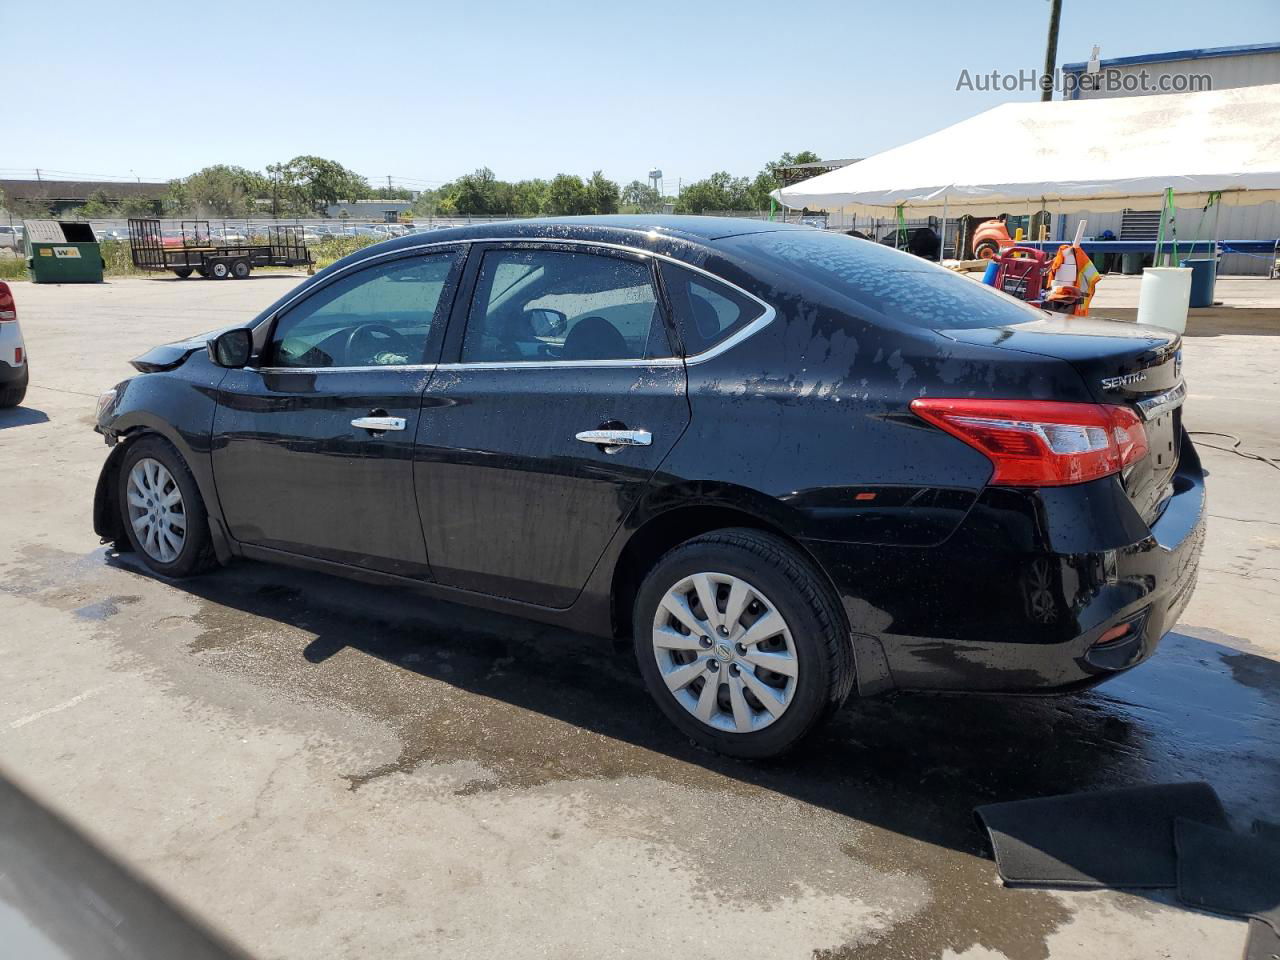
x: 8, y: 310
x: 1041, y: 443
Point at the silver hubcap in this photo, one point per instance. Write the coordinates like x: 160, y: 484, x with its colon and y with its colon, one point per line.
x: 725, y: 652
x: 156, y: 511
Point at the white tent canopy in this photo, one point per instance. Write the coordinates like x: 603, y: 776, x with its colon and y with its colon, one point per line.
x: 1098, y: 155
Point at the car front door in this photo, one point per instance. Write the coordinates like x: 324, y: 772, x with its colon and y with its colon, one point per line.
x: 521, y: 482
x: 313, y: 445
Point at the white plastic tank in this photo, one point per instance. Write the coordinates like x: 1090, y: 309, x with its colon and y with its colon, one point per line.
x: 1164, y: 297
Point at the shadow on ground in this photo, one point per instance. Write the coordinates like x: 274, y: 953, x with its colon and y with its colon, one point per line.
x: 21, y: 417
x: 915, y: 764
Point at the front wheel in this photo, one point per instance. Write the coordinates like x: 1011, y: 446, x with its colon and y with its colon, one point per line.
x: 182, y: 272
x: 219, y: 270
x: 986, y: 250
x: 741, y: 643
x: 164, y: 515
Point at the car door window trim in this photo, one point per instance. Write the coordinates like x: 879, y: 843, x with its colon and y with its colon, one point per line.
x: 750, y: 330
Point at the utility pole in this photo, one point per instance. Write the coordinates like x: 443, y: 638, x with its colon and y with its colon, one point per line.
x: 37, y: 174
x: 388, y: 185
x: 1051, y: 51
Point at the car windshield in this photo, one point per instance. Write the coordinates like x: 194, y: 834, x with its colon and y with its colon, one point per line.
x: 898, y: 285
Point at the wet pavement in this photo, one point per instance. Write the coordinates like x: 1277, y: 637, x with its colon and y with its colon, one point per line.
x: 320, y: 767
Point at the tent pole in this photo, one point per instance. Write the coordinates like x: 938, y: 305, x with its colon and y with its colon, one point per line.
x: 1217, y: 217
x: 942, y: 238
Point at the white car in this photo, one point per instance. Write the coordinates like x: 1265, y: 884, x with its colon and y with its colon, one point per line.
x: 13, y: 352
x: 10, y: 237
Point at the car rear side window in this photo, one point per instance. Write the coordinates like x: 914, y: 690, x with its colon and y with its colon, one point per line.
x: 382, y: 315
x: 552, y: 305
x: 898, y: 285
x: 707, y: 312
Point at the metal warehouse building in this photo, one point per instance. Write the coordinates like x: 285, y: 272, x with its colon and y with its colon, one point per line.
x: 1183, y: 71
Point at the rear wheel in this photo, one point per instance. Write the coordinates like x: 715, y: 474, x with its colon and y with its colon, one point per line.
x: 219, y: 270
x: 203, y: 271
x: 164, y: 516
x: 741, y: 643
x: 240, y: 269
x: 182, y: 272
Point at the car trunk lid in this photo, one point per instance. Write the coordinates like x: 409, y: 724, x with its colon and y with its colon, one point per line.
x: 1120, y: 363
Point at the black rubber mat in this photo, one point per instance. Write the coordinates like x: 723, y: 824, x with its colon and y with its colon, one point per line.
x: 1225, y: 872
x: 1263, y: 942
x: 1109, y: 838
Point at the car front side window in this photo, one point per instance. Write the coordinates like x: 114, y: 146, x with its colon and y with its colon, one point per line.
x: 379, y: 316
x: 553, y: 305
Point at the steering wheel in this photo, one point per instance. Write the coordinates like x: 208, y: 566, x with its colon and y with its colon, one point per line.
x: 381, y: 338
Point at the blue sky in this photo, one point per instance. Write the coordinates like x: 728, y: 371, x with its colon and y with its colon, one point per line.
x: 426, y: 91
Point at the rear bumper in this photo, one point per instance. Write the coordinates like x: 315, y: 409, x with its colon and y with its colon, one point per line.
x: 11, y: 375
x: 1017, y: 599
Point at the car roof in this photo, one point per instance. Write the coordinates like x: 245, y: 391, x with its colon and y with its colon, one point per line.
x: 605, y: 229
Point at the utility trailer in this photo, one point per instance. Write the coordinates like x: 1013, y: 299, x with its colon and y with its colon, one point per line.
x: 194, y: 249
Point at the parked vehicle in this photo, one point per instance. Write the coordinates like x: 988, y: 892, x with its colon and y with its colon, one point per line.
x: 14, y: 372
x: 785, y: 463
x: 197, y: 248
x: 10, y: 237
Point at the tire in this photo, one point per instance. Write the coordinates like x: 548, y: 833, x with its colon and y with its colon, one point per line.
x: 986, y: 250
x: 240, y: 269
x: 195, y: 553
x: 182, y: 272
x: 813, y: 644
x: 12, y: 396
x: 203, y: 271
x: 219, y: 270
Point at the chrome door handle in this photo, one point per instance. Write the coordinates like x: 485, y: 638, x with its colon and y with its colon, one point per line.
x: 378, y: 424
x: 616, y: 438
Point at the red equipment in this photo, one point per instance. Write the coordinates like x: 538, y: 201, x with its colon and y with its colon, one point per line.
x: 1021, y: 272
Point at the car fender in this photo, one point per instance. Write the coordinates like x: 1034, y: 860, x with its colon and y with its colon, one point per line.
x: 192, y: 392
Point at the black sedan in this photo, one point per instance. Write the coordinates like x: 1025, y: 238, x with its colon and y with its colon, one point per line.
x: 785, y: 463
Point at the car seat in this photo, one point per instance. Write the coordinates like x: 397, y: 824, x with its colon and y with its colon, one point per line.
x: 594, y: 338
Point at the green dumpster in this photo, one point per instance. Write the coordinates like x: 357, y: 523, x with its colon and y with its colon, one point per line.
x: 62, y: 252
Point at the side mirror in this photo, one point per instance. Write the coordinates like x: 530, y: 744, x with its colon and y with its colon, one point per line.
x: 231, y: 349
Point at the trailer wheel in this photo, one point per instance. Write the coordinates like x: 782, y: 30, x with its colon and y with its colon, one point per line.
x: 240, y: 269
x: 986, y: 249
x: 219, y: 270
x: 182, y: 272
x: 203, y: 271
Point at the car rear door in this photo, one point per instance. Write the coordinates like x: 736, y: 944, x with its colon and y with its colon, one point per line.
x: 313, y: 446
x: 520, y: 482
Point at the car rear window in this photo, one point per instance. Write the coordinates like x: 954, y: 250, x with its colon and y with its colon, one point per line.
x: 898, y: 285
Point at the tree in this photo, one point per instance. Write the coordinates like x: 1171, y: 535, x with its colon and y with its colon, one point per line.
x: 476, y: 193
x: 529, y: 197
x: 99, y: 206
x: 603, y: 194
x: 770, y: 178
x: 217, y: 191
x: 638, y: 197
x: 567, y: 195
x: 720, y: 191
x: 313, y: 183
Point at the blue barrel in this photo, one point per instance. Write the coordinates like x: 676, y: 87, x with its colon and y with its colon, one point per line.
x: 1203, y: 275
x: 989, y: 274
